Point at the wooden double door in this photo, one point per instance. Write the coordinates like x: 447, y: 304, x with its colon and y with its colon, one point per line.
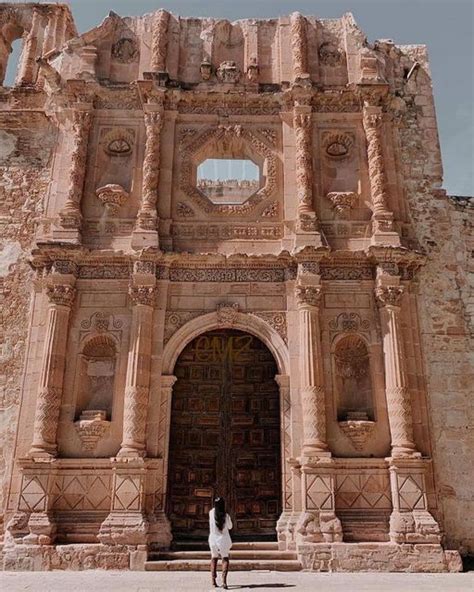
x: 225, y: 437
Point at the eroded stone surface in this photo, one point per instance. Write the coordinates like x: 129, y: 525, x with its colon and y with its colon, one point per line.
x: 347, y: 260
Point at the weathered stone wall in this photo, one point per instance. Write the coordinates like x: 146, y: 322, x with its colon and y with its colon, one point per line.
x: 442, y: 227
x: 26, y: 140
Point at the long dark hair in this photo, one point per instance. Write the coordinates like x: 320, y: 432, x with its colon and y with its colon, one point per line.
x: 219, y: 512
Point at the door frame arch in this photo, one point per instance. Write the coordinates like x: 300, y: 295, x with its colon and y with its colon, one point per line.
x: 257, y: 327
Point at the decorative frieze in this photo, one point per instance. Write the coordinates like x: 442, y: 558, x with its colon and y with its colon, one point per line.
x: 227, y: 231
x: 144, y: 295
x: 194, y: 274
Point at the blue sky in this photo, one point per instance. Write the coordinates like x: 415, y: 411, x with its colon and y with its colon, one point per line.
x: 445, y: 26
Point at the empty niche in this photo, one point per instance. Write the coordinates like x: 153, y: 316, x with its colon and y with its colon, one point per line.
x: 353, y: 380
x: 97, y: 365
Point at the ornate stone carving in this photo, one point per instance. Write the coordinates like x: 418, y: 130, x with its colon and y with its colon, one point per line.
x: 358, y: 431
x: 347, y: 272
x: 302, y: 122
x: 61, y: 294
x: 159, y: 43
x: 308, y: 295
x: 135, y: 412
x: 91, y: 427
x: 143, y: 267
x: 145, y: 295
x: 125, y: 50
x: 206, y: 70
x: 70, y: 215
x: 330, y: 55
x: 222, y: 138
x: 118, y: 142
x: 337, y: 145
x: 112, y: 196
x: 147, y: 218
x: 227, y: 313
x: 175, y: 320
x: 272, y: 210
x: 100, y: 322
x: 343, y: 202
x: 299, y: 45
x: 184, y: 211
x: 252, y: 70
x: 277, y: 320
x: 389, y: 295
x: 349, y: 322
x: 228, y: 72
x: 373, y: 119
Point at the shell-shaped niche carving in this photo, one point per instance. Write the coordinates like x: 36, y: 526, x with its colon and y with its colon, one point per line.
x: 337, y: 145
x: 118, y: 142
x: 91, y: 427
x: 353, y: 379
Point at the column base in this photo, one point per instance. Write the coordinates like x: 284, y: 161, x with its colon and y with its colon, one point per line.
x: 67, y: 235
x: 42, y: 453
x: 42, y: 529
x: 418, y: 526
x: 128, y: 452
x: 124, y: 528
x: 141, y: 239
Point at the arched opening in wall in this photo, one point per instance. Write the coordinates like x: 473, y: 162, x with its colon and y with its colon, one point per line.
x: 97, y: 365
x: 11, y: 47
x: 353, y: 380
x: 225, y: 437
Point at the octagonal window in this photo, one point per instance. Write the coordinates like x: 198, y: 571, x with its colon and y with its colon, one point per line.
x: 228, y: 181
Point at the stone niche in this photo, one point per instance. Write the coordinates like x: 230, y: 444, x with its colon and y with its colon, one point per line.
x: 353, y: 384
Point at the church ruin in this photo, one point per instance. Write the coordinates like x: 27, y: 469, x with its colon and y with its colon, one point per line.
x: 228, y: 267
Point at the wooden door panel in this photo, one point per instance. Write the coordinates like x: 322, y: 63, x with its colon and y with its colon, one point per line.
x: 225, y: 436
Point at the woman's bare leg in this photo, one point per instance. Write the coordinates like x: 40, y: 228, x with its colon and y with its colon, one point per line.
x: 225, y: 569
x: 214, y: 571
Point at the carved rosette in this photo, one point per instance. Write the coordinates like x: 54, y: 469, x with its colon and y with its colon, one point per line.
x: 299, y: 45
x: 70, y: 216
x: 372, y: 120
x: 358, y: 431
x: 342, y: 202
x: 147, y: 218
x: 112, y: 196
x: 159, y: 42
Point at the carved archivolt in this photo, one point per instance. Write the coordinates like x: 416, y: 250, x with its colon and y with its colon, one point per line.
x: 222, y: 139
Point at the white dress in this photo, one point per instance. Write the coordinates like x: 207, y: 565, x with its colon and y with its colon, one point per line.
x: 219, y: 540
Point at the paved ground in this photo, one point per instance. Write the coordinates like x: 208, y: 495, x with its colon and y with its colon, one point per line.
x: 95, y: 581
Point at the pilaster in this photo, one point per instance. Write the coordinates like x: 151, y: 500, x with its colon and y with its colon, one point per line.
x: 60, y: 293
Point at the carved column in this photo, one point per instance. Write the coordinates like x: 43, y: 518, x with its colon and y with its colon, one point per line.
x: 382, y: 217
x: 70, y: 216
x: 306, y: 221
x: 311, y: 374
x: 160, y: 41
x: 29, y: 53
x: 146, y: 229
x: 299, y: 46
x: 287, y: 493
x: 50, y: 388
x: 138, y: 371
x: 398, y: 397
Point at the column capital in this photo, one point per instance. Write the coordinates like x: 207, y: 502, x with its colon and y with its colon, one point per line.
x: 389, y: 295
x: 308, y: 296
x: 141, y: 294
x: 61, y: 294
x: 168, y: 381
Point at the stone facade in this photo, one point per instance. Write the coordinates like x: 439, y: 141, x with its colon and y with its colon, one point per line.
x: 348, y: 262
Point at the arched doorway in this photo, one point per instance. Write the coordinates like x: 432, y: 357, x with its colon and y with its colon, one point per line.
x: 225, y: 436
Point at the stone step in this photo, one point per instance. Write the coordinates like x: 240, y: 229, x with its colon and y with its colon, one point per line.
x: 236, y: 546
x: 236, y: 565
x: 234, y: 554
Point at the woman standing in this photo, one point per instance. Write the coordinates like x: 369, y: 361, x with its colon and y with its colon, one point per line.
x: 219, y: 539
